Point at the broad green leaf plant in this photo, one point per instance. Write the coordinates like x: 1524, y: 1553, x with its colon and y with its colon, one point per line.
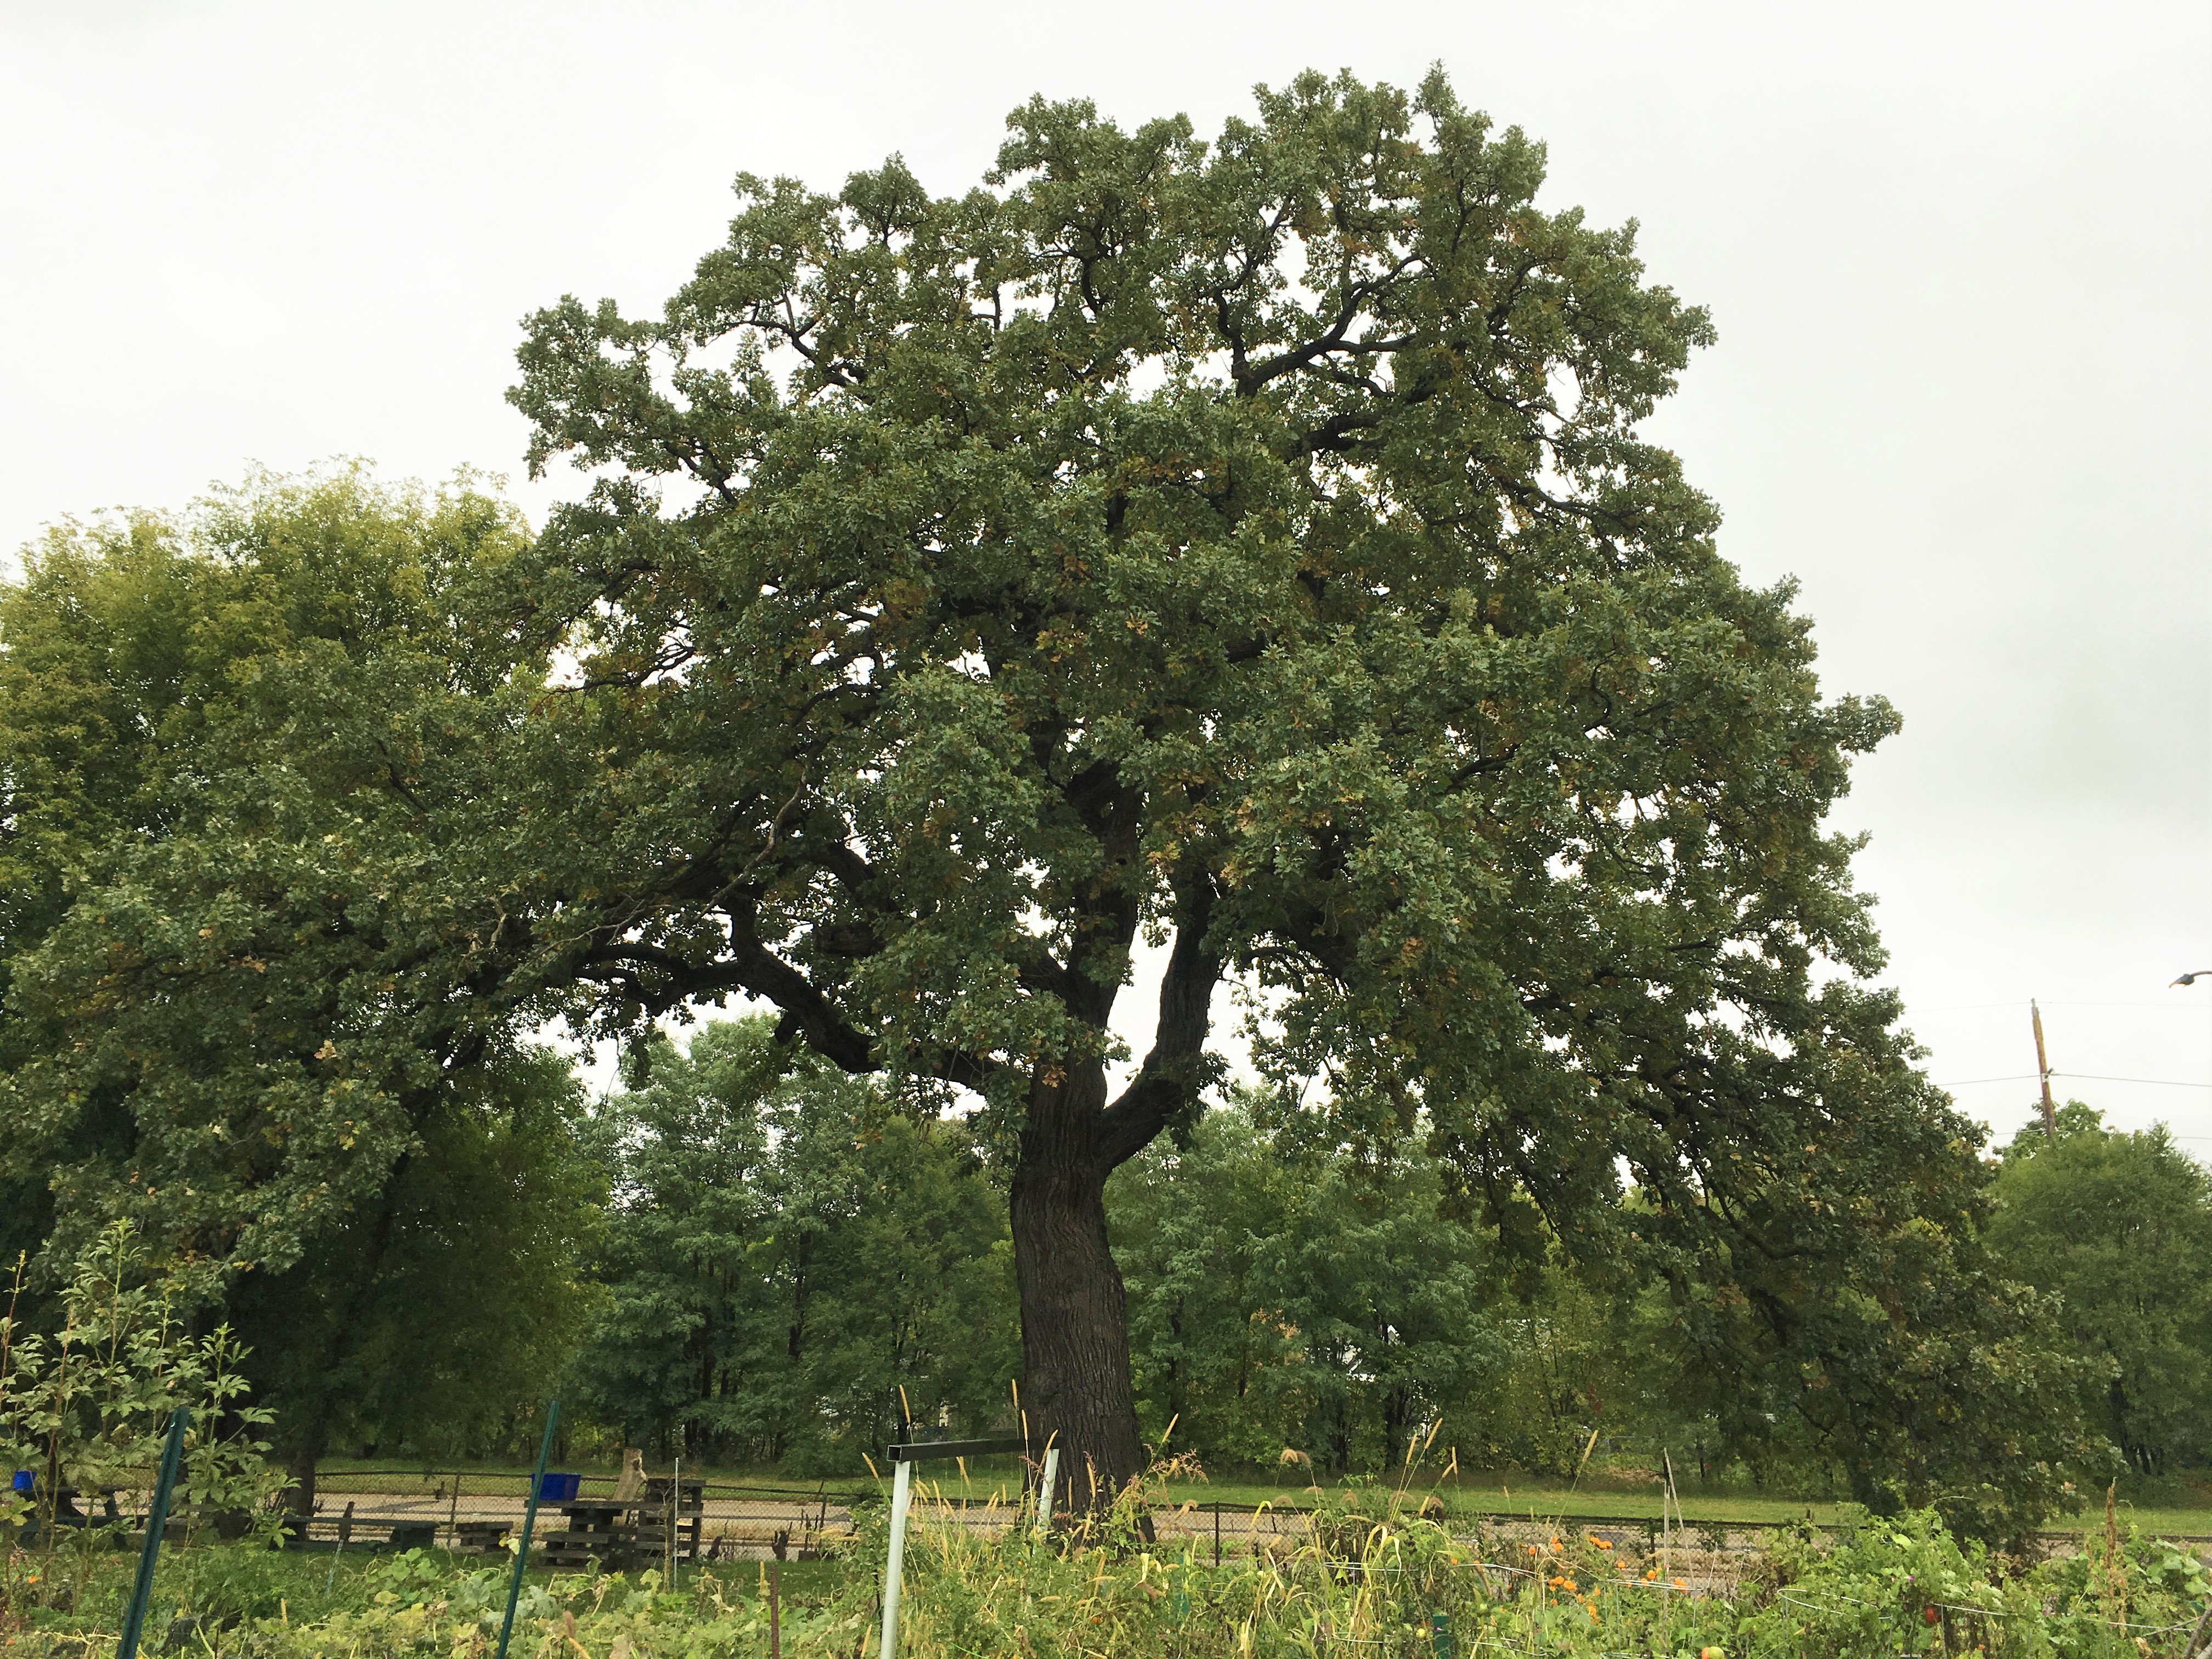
x: 85, y: 1410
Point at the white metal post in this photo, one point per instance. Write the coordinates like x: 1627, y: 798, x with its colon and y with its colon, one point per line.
x: 1045, y: 1490
x: 902, y: 1480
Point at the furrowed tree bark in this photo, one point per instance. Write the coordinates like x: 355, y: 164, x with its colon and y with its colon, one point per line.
x: 1075, y: 1321
x: 1075, y: 1325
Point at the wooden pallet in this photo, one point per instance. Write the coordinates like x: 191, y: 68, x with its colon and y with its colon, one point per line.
x: 481, y: 1537
x: 621, y: 1537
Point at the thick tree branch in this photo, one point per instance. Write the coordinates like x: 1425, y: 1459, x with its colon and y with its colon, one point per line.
x: 1174, y: 1071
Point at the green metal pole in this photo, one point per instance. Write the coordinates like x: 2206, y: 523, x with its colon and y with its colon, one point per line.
x: 529, y: 1520
x: 157, y: 1519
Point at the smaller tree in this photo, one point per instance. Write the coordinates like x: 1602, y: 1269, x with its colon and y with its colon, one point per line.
x: 677, y: 1260
x: 2119, y: 1226
x: 428, y: 1322
x: 1212, y: 1351
x: 1289, y: 1289
x: 233, y: 742
x: 786, y: 1250
x: 232, y: 745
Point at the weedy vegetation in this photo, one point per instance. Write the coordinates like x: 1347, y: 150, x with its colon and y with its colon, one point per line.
x: 1372, y: 1575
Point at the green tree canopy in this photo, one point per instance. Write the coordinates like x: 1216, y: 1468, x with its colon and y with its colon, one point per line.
x: 1884, y: 1342
x: 1246, y: 545
x: 227, y: 740
x: 2119, y: 1226
x: 785, y: 1251
x: 230, y: 749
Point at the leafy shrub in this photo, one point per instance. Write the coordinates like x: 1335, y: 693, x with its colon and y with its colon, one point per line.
x: 2120, y: 1587
x: 89, y: 1407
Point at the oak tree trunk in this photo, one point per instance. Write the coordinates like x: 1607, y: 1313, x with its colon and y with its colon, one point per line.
x: 1075, y: 1328
x: 306, y: 1451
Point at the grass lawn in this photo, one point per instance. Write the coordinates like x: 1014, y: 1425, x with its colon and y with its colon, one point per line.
x: 2168, y: 1507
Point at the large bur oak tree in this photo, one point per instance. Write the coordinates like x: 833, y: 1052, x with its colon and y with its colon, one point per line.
x: 1246, y: 546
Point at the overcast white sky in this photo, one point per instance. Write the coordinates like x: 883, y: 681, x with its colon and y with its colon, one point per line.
x: 1958, y: 255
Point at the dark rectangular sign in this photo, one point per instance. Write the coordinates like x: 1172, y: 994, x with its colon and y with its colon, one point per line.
x: 922, y: 1451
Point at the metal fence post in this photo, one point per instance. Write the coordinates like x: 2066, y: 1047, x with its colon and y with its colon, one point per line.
x: 902, y: 1454
x: 902, y: 1482
x: 529, y: 1520
x: 1045, y: 1490
x: 157, y: 1519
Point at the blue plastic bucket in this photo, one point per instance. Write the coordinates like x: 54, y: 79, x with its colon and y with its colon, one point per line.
x: 558, y: 1488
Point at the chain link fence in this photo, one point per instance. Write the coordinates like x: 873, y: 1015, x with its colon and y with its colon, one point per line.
x: 475, y: 1511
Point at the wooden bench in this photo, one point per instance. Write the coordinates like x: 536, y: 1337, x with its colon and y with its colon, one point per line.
x: 592, y: 1529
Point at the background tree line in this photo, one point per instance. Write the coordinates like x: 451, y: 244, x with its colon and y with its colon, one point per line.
x: 246, y: 796
x: 766, y: 1284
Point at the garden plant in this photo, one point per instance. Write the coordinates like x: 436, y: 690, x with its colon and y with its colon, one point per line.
x: 1374, y: 1572
x: 84, y: 1412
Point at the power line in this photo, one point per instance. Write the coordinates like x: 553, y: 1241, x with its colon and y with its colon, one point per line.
x: 2178, y: 1005
x: 2081, y: 1077
x: 2157, y: 1082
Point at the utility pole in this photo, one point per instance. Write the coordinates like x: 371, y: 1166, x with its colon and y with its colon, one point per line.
x: 2043, y: 1075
